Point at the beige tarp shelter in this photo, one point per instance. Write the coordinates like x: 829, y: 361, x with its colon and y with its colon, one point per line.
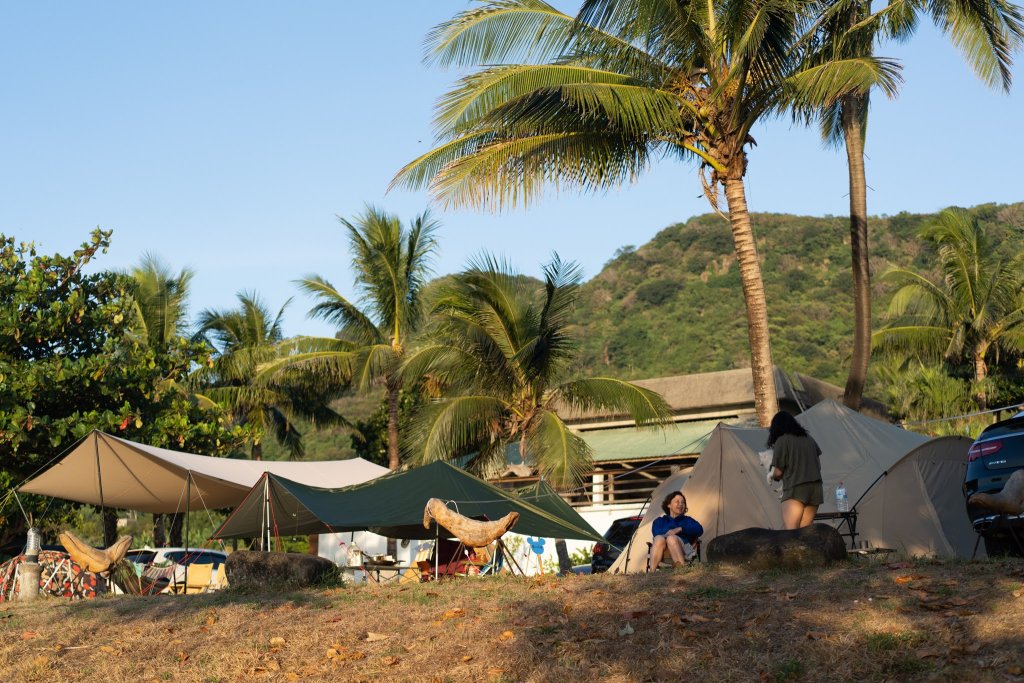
x: 917, y: 506
x: 105, y: 470
x: 727, y: 489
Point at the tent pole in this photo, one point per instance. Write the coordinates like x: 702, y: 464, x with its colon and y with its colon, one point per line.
x: 629, y: 546
x: 188, y: 501
x: 99, y: 478
x: 265, y: 532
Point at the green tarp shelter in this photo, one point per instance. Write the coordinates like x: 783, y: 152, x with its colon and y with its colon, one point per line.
x: 393, y: 505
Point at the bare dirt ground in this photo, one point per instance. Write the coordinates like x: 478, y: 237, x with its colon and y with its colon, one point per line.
x: 945, y: 621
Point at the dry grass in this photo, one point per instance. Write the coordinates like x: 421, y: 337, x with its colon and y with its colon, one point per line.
x: 912, y: 621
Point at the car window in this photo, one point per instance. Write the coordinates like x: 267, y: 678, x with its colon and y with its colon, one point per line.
x: 621, y: 531
x: 140, y: 556
x: 1003, y: 429
x: 194, y: 557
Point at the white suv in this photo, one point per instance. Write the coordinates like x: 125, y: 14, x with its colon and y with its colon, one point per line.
x: 169, y: 563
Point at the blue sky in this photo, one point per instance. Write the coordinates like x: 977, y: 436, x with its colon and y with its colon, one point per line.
x: 227, y: 136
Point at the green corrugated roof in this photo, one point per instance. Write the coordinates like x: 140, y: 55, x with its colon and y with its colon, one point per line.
x: 630, y: 443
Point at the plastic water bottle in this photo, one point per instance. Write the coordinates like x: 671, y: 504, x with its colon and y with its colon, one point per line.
x: 842, y: 502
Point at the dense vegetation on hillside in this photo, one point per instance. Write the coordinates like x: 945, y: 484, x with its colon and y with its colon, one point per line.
x: 673, y: 306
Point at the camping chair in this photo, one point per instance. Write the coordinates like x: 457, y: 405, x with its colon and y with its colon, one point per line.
x: 421, y: 568
x: 220, y: 579
x: 666, y: 559
x: 198, y: 580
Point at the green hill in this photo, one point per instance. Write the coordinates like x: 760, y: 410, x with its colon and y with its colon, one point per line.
x: 674, y: 305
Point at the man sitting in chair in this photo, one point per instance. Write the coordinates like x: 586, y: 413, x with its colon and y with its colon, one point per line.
x: 675, y: 531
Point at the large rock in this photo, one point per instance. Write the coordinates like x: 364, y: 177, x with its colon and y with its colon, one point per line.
x: 812, y: 546
x: 252, y: 569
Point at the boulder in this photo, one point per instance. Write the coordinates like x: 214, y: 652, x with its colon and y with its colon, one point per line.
x: 253, y: 569
x: 816, y: 545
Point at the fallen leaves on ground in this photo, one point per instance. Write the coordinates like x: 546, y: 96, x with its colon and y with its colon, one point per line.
x: 907, y: 578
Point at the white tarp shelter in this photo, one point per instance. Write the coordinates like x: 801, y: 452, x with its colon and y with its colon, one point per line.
x: 727, y: 489
x: 106, y: 470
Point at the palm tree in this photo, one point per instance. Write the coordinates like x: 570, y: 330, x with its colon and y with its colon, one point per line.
x: 391, y: 265
x: 987, y: 33
x: 503, y: 352
x: 624, y: 82
x: 246, y: 339
x: 159, y: 300
x: 923, y: 396
x: 975, y: 309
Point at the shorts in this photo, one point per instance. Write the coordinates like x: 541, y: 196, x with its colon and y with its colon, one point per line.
x: 808, y: 493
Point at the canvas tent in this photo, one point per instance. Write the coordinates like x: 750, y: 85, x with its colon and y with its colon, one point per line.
x: 917, y: 505
x: 393, y: 506
x: 855, y: 448
x: 106, y: 470
x: 727, y: 490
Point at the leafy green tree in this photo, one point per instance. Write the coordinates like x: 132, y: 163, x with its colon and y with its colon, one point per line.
x: 391, y: 264
x: 621, y: 83
x: 245, y: 339
x: 503, y: 351
x: 986, y: 32
x: 972, y: 313
x: 69, y: 364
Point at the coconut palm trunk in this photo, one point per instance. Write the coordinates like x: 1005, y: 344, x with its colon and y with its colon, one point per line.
x: 393, y: 452
x: 765, y: 398
x: 853, y: 108
x: 980, y: 373
x: 393, y: 427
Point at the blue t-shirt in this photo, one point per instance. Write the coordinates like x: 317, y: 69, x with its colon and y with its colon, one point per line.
x: 689, y: 528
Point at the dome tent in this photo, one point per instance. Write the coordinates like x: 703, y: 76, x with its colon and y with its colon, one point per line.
x: 727, y: 490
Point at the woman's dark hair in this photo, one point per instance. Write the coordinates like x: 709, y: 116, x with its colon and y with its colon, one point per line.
x: 668, y: 499
x: 783, y: 423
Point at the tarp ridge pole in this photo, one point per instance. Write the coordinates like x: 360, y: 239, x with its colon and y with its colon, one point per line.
x: 99, y: 479
x: 188, y: 508
x: 264, y: 541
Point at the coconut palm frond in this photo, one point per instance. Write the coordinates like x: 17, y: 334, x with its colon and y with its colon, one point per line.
x: 334, y: 308
x: 562, y: 458
x: 454, y: 427
x: 643, y: 406
x: 500, y: 31
x: 917, y: 340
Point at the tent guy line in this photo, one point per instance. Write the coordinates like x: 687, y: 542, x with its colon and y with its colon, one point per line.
x: 960, y: 417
